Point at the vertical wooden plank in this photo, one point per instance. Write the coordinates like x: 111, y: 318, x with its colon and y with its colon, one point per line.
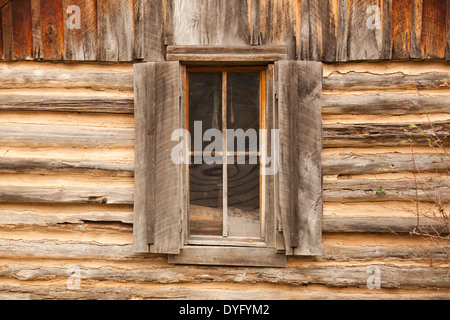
x: 168, y: 176
x: 1, y: 36
x: 305, y: 40
x: 38, y: 52
x: 447, y: 51
x: 149, y: 30
x: 80, y: 40
x: 22, y: 34
x: 434, y: 29
x: 8, y: 53
x: 406, y: 29
x: 342, y: 31
x: 255, y: 22
x: 369, y: 33
x: 209, y: 22
x: 329, y: 20
x: 416, y: 28
x: 52, y: 28
x: 145, y: 152
x: 300, y: 177
x: 115, y: 30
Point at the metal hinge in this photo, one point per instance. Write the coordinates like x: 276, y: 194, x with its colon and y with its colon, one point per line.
x: 275, y: 89
x: 182, y: 226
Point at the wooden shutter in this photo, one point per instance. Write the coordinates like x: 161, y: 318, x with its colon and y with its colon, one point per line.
x: 158, y: 181
x: 300, y: 179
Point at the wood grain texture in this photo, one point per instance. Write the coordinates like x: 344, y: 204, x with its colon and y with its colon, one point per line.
x: 86, y: 104
x: 1, y: 35
x: 149, y: 30
x: 81, y: 44
x: 300, y: 124
x: 115, y: 30
x: 8, y: 48
x: 369, y: 29
x: 38, y: 51
x: 434, y: 29
x: 52, y: 25
x: 22, y: 31
x: 447, y: 48
x: 160, y: 210
x: 202, y: 22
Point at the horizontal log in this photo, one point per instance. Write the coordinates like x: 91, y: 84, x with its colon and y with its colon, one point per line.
x: 214, y: 292
x: 378, y: 135
x: 354, y: 190
x: 399, y: 80
x: 362, y: 190
x: 335, y: 135
x: 341, y: 164
x: 354, y: 164
x: 66, y: 195
x: 43, y: 166
x: 384, y: 104
x: 61, y: 76
x: 93, y: 104
x: 32, y: 135
x: 11, y: 248
x: 395, y: 277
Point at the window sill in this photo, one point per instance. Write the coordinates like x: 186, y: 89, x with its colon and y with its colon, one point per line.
x: 229, y: 256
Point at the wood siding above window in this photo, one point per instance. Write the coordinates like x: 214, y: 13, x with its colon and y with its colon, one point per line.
x: 325, y: 30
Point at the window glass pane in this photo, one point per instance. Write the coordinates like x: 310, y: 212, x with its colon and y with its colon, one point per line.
x: 205, y: 103
x: 243, y: 110
x: 206, y: 200
x: 244, y: 200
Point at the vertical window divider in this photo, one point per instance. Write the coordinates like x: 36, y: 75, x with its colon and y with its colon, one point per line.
x: 225, y: 153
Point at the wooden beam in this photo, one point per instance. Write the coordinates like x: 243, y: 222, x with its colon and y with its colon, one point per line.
x: 7, y: 28
x: 399, y: 80
x: 389, y: 135
x: 66, y: 195
x: 22, y: 31
x: 41, y: 135
x: 19, y: 102
x: 45, y: 166
x: 384, y: 104
x: 52, y: 24
x: 227, y: 53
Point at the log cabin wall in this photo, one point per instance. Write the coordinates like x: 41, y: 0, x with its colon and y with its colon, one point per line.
x: 67, y: 145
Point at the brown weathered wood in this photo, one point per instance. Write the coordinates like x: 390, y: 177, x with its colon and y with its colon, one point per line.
x: 203, y: 22
x: 12, y: 77
x: 115, y: 30
x: 66, y: 195
x: 384, y: 104
x: 157, y: 103
x: 52, y: 24
x: 369, y: 33
x: 350, y: 164
x: 255, y: 23
x: 93, y: 104
x: 8, y: 52
x: 45, y: 166
x: 399, y: 80
x: 300, y: 125
x: 145, y: 152
x: 1, y: 35
x: 447, y: 48
x: 360, y: 190
x: 227, y: 53
x: 225, y: 256
x: 3, y: 2
x: 22, y: 34
x: 38, y: 52
x: 393, y: 135
x: 31, y: 135
x: 434, y: 29
x: 342, y: 31
x: 80, y: 44
x: 402, y: 22
x: 149, y: 30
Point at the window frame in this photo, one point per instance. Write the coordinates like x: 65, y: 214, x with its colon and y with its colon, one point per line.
x: 293, y: 108
x: 225, y: 239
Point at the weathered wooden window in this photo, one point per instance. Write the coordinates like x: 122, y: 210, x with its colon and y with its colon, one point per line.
x: 219, y: 206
